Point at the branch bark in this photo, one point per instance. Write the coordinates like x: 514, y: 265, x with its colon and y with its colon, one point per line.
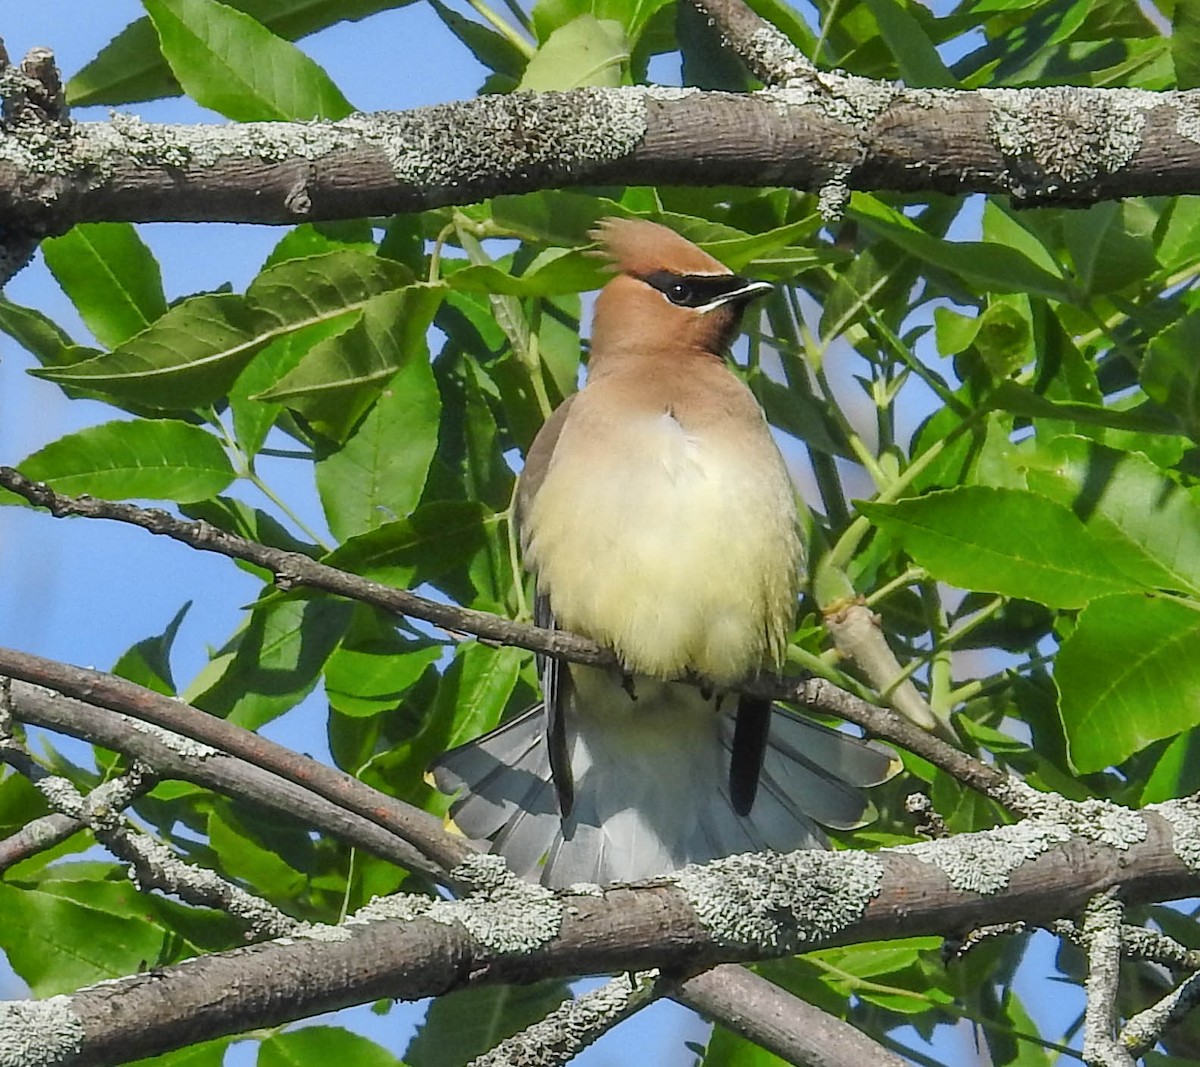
x: 174, y: 756
x: 738, y: 909
x: 422, y: 830
x: 830, y: 134
x: 781, y: 1023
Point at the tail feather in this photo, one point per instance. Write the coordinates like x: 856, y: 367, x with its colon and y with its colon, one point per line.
x: 864, y: 763
x: 780, y: 823
x: 504, y: 774
x: 652, y: 788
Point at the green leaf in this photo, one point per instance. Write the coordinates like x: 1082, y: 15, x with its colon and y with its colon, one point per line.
x: 370, y: 677
x: 205, y: 1054
x: 954, y: 332
x: 1000, y: 226
x: 127, y: 69
x: 378, y: 475
x: 20, y: 803
x: 1004, y: 335
x: 315, y: 287
x: 916, y: 58
x: 57, y: 944
x: 315, y: 297
x: 432, y: 540
x: 552, y: 216
x: 1177, y: 773
x: 239, y: 518
x: 186, y: 359
x: 339, y: 378
x: 1125, y: 500
x: 230, y: 62
x: 321, y: 238
x: 192, y: 355
x: 252, y: 417
x: 323, y: 1044
x: 472, y: 694
x: 111, y: 277
x: 1127, y: 675
x: 469, y: 1022
x: 1185, y: 43
x: 493, y: 50
x: 553, y: 273
x: 1145, y: 418
x: 1111, y: 244
x: 148, y: 663
x: 1003, y: 541
x: 727, y: 1049
x: 131, y: 67
x: 35, y: 332
x: 253, y: 858
x: 800, y: 413
x: 586, y: 51
x: 274, y: 662
x: 1171, y: 372
x: 989, y: 266
x: 151, y: 459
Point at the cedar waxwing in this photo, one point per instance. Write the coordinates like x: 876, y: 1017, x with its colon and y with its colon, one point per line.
x: 659, y: 520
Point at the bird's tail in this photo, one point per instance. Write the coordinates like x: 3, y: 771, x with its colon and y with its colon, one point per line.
x: 652, y: 793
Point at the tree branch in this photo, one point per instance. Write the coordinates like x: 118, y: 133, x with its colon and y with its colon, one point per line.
x: 575, y: 1024
x: 152, y: 865
x: 37, y: 836
x: 782, y: 1023
x: 1044, y: 145
x: 1101, y: 933
x: 737, y: 909
x: 294, y: 569
x: 417, y: 827
x: 763, y: 48
x: 175, y: 756
x: 34, y: 107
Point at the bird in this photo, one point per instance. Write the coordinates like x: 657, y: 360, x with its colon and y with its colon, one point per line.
x: 658, y: 518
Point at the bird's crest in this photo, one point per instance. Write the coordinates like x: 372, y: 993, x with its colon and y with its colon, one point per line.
x: 641, y: 248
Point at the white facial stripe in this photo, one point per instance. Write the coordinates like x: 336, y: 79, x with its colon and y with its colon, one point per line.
x: 751, y: 290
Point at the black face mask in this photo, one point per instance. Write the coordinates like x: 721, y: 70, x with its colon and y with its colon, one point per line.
x: 696, y: 290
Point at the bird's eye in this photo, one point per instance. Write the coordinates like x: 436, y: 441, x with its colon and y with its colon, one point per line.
x: 679, y: 293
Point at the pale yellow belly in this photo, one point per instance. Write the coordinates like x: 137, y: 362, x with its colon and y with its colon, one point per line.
x: 679, y: 553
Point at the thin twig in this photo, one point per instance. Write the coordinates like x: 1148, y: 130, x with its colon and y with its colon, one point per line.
x: 780, y: 1022
x: 1138, y: 943
x: 152, y: 864
x: 294, y: 569
x: 417, y: 827
x: 1141, y: 1033
x: 178, y: 757
x: 37, y: 836
x: 1101, y: 933
x: 575, y: 1023
x: 762, y: 47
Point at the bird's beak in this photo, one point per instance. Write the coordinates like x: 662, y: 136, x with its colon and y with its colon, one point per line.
x: 743, y: 294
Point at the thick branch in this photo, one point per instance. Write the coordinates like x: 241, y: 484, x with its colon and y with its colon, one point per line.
x: 1046, y: 144
x: 736, y: 909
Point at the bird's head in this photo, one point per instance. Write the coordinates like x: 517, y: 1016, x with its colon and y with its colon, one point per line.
x: 669, y: 296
